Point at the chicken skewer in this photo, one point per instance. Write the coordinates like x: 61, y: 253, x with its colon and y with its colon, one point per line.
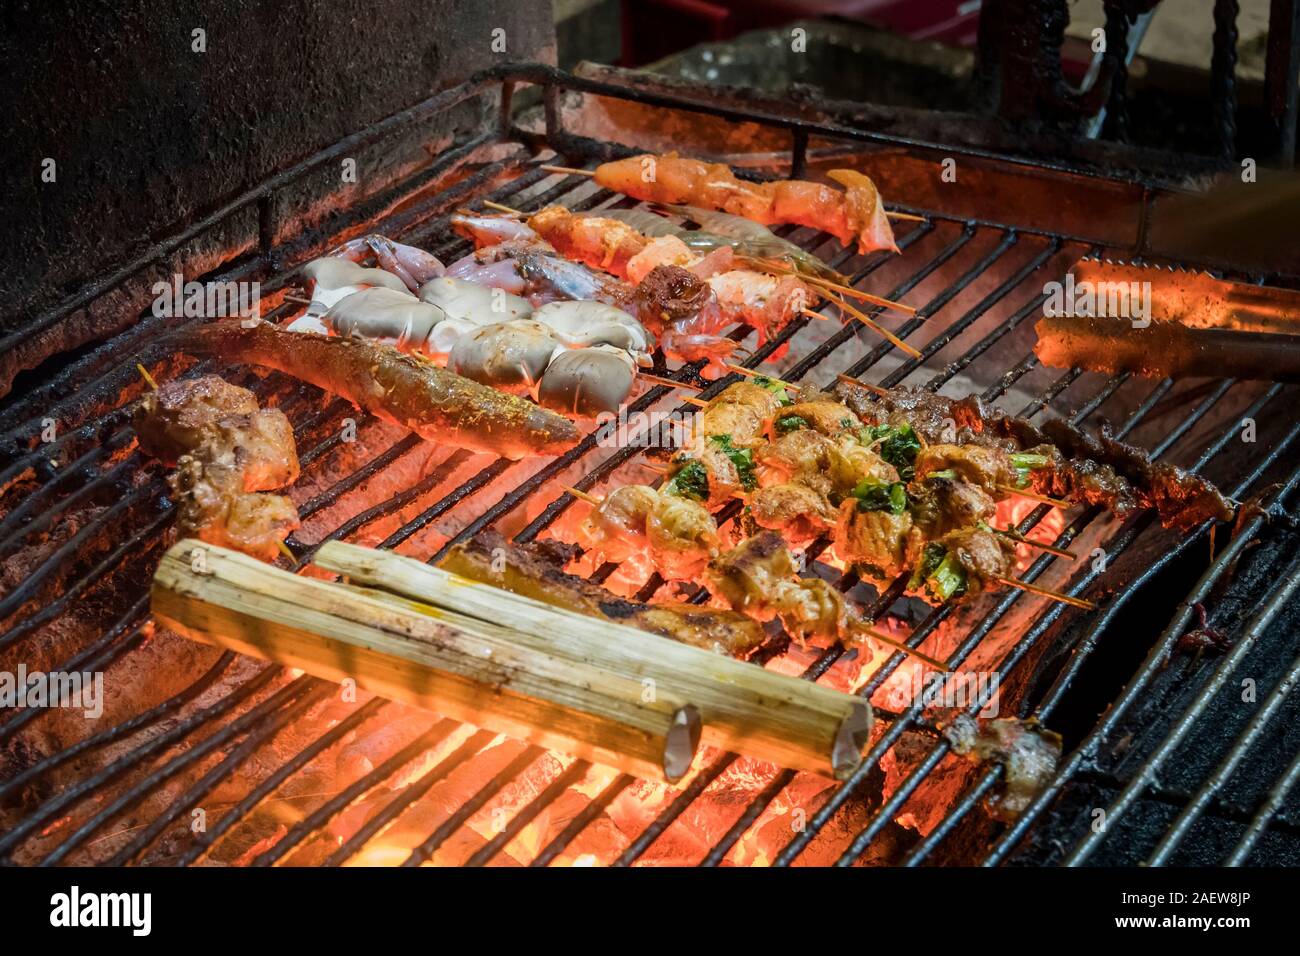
x: 1082, y: 469
x: 854, y: 215
x: 828, y: 479
x: 758, y: 577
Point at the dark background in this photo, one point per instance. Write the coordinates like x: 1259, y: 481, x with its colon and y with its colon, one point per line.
x: 148, y: 134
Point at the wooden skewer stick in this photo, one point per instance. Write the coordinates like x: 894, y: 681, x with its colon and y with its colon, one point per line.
x: 879, y: 329
x: 868, y: 631
x: 904, y: 216
x: 1049, y: 548
x: 754, y: 373
x: 842, y: 289
x: 1034, y: 496
x: 695, y: 400
x: 659, y: 380
x: 859, y: 294
x: 567, y: 170
x: 297, y: 299
x: 850, y: 380
x: 581, y: 495
x: 285, y: 550
x: 1044, y: 592
x: 507, y: 209
x: 148, y: 379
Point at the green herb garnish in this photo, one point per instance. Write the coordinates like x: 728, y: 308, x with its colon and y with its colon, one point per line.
x: 775, y: 387
x: 881, y: 496
x: 939, y: 572
x: 742, y: 458
x: 898, y: 445
x: 789, y: 424
x: 690, y: 481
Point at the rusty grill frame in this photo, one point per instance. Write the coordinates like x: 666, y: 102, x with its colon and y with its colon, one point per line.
x: 88, y: 382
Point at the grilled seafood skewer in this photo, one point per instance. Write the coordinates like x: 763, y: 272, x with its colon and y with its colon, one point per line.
x: 854, y: 215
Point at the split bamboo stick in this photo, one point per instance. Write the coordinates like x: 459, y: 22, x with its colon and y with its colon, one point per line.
x: 604, y: 692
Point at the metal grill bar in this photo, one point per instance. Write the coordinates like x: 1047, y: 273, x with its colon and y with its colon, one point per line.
x: 1016, y: 831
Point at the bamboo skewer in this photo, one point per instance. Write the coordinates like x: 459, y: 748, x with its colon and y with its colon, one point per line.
x: 754, y: 373
x: 148, y: 379
x: 297, y: 299
x: 879, y: 329
x: 1044, y: 592
x: 670, y: 383
x: 573, y: 171
x: 850, y: 380
x: 581, y: 495
x: 506, y: 209
x: 694, y: 400
x: 1034, y: 496
x: 1041, y: 545
x: 826, y: 284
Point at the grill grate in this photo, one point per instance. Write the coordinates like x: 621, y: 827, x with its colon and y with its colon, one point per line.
x: 978, y: 269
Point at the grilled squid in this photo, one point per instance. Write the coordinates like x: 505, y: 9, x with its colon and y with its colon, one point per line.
x: 587, y: 381
x: 583, y: 324
x: 384, y: 315
x: 511, y: 356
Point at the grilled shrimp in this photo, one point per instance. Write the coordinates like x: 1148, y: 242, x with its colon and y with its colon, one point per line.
x: 435, y: 404
x: 413, y: 266
x: 855, y: 214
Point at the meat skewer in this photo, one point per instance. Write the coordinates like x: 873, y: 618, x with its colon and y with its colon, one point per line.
x: 757, y: 577
x: 1083, y: 469
x: 226, y: 453
x: 857, y: 214
x: 435, y: 404
x: 892, y: 505
x: 535, y: 571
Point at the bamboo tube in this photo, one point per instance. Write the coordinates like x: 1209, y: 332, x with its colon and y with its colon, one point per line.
x: 728, y: 693
x: 604, y: 692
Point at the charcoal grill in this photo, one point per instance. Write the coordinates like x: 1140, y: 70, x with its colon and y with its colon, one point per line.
x: 128, y: 793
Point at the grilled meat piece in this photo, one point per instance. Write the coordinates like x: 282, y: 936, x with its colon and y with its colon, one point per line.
x: 212, y: 509
x: 796, y: 509
x: 880, y: 543
x: 987, y: 466
x: 183, y: 413
x: 535, y: 571
x: 435, y: 404
x: 1027, y: 750
x: 982, y: 555
x: 758, y: 577
x: 724, y: 478
x: 742, y: 411
x: 1085, y: 469
x: 225, y: 450
x: 677, y: 534
x: 822, y: 413
x: 832, y: 467
x: 942, y: 505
